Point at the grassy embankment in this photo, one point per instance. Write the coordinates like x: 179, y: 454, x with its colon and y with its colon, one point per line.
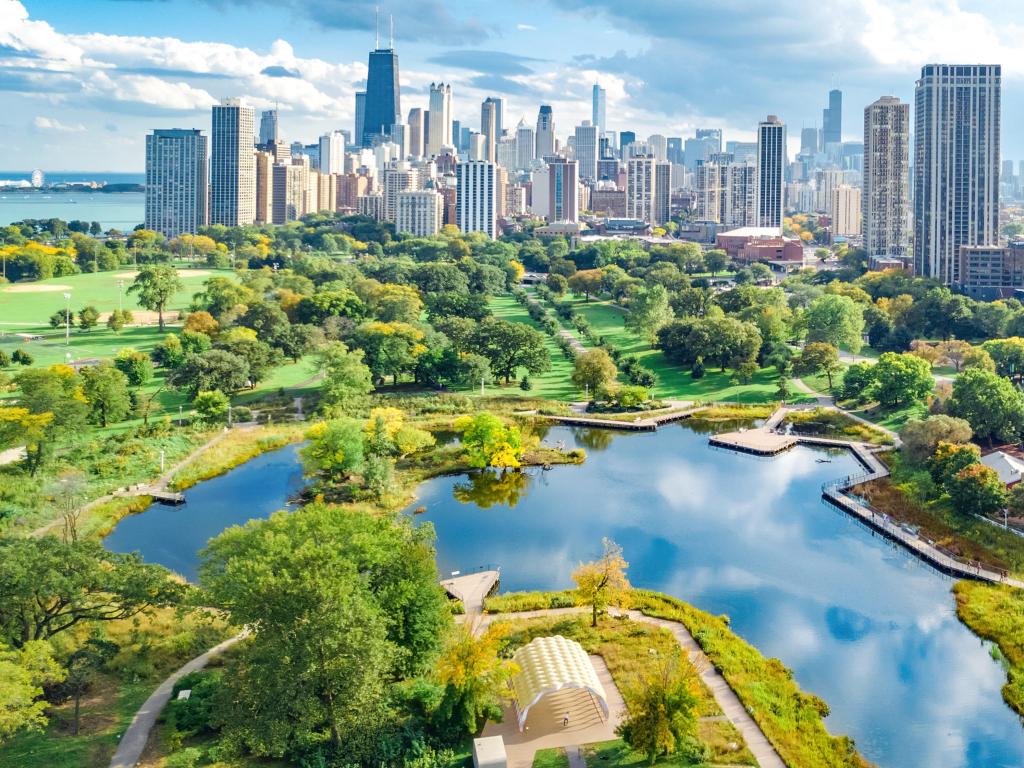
x: 150, y: 648
x: 996, y: 613
x: 826, y: 422
x: 792, y: 720
x: 909, y: 495
x: 632, y: 650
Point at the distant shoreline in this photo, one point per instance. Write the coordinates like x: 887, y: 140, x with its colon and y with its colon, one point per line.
x: 63, y: 190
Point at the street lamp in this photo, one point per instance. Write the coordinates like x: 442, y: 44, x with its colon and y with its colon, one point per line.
x: 120, y: 291
x: 67, y: 319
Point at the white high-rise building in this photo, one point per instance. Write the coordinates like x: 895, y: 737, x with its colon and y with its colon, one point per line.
x: 489, y: 128
x: 399, y: 177
x: 825, y: 182
x: 439, y: 118
x: 332, y: 152
x: 846, y: 201
x: 771, y: 163
x: 886, y: 197
x: 290, y: 185
x: 725, y: 192
x: 525, y: 146
x: 419, y: 212
x: 507, y: 152
x: 657, y: 145
x: 232, y: 164
x: 478, y: 197
x: 648, y: 184
x: 176, y: 181
x: 545, y: 132
x: 586, y: 150
x: 417, y: 130
x: 597, y: 110
x: 562, y: 191
x: 956, y: 165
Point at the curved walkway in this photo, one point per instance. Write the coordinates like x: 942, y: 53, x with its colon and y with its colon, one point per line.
x: 724, y: 695
x: 132, y: 744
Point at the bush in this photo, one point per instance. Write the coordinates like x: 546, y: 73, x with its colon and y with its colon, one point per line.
x: 185, y: 758
x: 526, y: 385
x: 697, y: 370
x: 21, y: 357
x: 241, y: 414
x: 5, y: 359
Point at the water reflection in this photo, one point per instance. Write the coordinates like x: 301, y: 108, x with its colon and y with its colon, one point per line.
x: 486, y: 488
x: 593, y: 439
x: 864, y: 625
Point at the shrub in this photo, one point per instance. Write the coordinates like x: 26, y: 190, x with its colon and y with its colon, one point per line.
x: 5, y: 359
x: 21, y: 357
x: 525, y: 384
x: 697, y: 370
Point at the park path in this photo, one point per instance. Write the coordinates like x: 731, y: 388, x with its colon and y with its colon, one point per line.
x: 725, y: 697
x: 133, y: 742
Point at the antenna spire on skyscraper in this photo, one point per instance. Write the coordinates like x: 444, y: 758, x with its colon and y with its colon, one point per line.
x: 376, y: 27
x: 391, y: 39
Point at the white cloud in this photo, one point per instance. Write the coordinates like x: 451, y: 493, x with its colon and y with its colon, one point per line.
x: 52, y: 124
x: 526, y: 27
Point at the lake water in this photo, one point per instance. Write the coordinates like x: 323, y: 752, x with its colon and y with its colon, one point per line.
x: 862, y: 624
x: 117, y: 210
x: 173, y: 536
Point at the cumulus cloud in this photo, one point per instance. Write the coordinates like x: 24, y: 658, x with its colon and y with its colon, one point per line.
x: 53, y: 124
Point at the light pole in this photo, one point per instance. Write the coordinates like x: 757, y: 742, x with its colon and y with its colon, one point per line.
x: 229, y: 415
x: 67, y: 319
x: 161, y: 461
x: 120, y: 291
x: 181, y: 417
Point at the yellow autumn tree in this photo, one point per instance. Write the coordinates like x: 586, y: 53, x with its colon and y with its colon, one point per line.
x: 387, y: 433
x: 602, y: 582
x: 473, y: 675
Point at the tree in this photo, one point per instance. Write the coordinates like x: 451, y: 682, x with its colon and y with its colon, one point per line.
x: 21, y: 357
x: 920, y: 438
x: 989, y: 403
x: 594, y: 371
x: 390, y: 349
x: 156, y: 285
x: 106, y: 390
x: 335, y: 448
x: 211, y: 406
x: 24, y: 672
x: 214, y: 369
x: 259, y: 357
x: 602, y: 582
x: 817, y: 357
x: 649, y: 310
x: 118, y: 319
x: 977, y: 490
x: 489, y: 442
x: 949, y: 459
x: 88, y: 317
x: 340, y: 603
x: 586, y: 282
x: 59, y: 319
x: 976, y: 357
x: 474, y: 677
x: 136, y: 366
x: 201, y: 321
x: 859, y: 382
x: 48, y: 586
x: 18, y: 426
x: 954, y: 352
x: 837, y: 320
x: 715, y: 261
x: 346, y: 379
x: 902, y: 378
x: 509, y: 346
x: 388, y: 434
x: 558, y: 284
x: 80, y: 671
x: 662, y: 716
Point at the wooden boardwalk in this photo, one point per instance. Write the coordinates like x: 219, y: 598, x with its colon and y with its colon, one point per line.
x: 472, y: 588
x: 640, y: 424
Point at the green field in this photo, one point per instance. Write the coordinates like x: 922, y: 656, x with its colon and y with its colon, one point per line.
x: 30, y: 310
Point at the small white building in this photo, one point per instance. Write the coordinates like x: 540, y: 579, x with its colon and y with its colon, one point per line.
x: 1009, y: 468
x: 489, y: 752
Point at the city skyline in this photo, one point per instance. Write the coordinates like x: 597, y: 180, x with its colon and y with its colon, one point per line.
x: 104, y: 78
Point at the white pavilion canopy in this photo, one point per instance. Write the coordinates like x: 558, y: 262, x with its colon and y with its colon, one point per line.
x: 550, y: 664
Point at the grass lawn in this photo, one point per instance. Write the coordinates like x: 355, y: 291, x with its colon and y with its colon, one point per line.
x: 23, y: 309
x: 554, y: 757
x: 100, y: 342
x: 553, y: 385
x: 996, y: 613
x: 674, y: 382
x: 616, y: 753
x: 892, y: 418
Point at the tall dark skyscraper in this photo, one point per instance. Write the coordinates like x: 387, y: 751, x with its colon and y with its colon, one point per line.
x: 832, y: 118
x: 383, y: 106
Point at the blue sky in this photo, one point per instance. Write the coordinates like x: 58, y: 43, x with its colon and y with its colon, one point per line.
x: 82, y: 81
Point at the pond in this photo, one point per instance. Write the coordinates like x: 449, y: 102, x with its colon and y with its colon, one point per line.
x: 862, y: 624
x: 173, y: 535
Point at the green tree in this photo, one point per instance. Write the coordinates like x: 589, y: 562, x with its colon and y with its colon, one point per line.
x: 135, y: 365
x: 260, y: 358
x: 211, y: 406
x: 390, y: 349
x: 989, y: 403
x: 859, y: 382
x: 23, y: 673
x: 48, y: 586
x: 346, y: 379
x: 118, y: 319
x: 817, y: 357
x: 649, y: 310
x: 59, y: 319
x: 902, y: 378
x: 949, y: 458
x: 715, y: 261
x: 489, y: 442
x: 977, y: 490
x: 920, y: 437
x: 594, y: 371
x: 335, y: 449
x: 106, y: 390
x: 836, y: 320
x: 81, y: 669
x: 88, y: 318
x: 509, y: 346
x: 602, y: 582
x: 156, y: 285
x: 662, y: 718
x: 586, y: 283
x: 215, y: 369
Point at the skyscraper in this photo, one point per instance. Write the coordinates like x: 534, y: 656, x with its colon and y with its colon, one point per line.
x: 846, y: 210
x: 499, y: 115
x: 809, y: 141
x: 545, y: 132
x: 563, y: 193
x: 885, y: 200
x: 598, y: 109
x: 525, y: 146
x: 626, y: 138
x: 269, y: 130
x: 264, y: 187
x: 586, y: 151
x: 332, y: 152
x: 176, y: 181
x: 439, y: 133
x: 675, y: 150
x: 232, y: 164
x: 417, y: 129
x: 419, y: 212
x: 956, y: 165
x: 647, y: 190
x: 489, y: 127
x: 383, y: 101
x: 832, y: 119
x: 712, y: 136
x: 477, y: 206
x: 771, y: 162
x: 360, y: 121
